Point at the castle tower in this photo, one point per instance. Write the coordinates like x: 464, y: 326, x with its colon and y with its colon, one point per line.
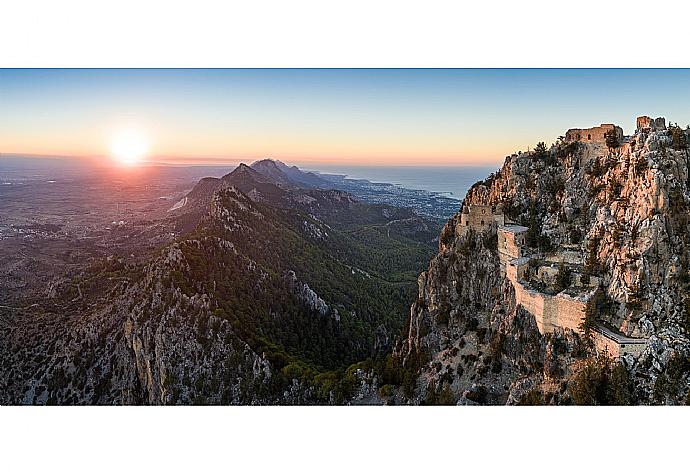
x: 645, y: 123
x: 511, y: 239
x: 479, y: 218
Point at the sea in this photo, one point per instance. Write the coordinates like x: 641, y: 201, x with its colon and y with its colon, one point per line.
x: 452, y: 182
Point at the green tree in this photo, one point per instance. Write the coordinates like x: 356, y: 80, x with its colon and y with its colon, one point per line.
x: 611, y: 139
x: 602, y: 381
x: 679, y: 140
x: 534, y: 397
x: 533, y: 227
x: 588, y: 323
x: 540, y: 151
x: 585, y: 276
x: 592, y: 260
x: 563, y: 277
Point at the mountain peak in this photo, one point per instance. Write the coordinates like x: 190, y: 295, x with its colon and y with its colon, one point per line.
x: 289, y: 175
x: 246, y: 171
x: 266, y: 162
x: 270, y: 169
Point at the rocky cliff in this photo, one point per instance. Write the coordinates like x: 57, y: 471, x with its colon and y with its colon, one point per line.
x: 623, y: 208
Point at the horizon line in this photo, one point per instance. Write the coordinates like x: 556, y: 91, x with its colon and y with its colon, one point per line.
x: 211, y: 161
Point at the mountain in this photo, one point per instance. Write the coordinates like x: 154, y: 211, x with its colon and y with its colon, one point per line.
x: 293, y: 174
x: 270, y: 169
x: 376, y: 225
x: 429, y: 205
x: 563, y: 279
x: 273, y: 294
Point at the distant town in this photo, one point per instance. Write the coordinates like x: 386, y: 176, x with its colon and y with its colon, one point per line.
x: 426, y: 203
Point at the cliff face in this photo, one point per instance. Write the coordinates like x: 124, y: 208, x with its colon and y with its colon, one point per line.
x: 624, y: 212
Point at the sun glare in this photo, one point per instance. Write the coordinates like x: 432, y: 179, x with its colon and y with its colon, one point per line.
x: 129, y: 147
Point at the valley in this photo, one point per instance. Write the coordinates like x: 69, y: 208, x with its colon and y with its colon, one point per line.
x: 562, y: 279
x: 301, y: 277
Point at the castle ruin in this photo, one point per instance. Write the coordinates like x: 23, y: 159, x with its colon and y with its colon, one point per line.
x: 596, y: 134
x: 645, y: 123
x: 563, y: 310
x: 530, y: 275
x: 479, y: 218
x: 511, y: 239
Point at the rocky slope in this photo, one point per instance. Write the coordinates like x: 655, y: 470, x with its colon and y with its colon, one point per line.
x: 626, y: 209
x: 284, y: 293
x: 268, y: 298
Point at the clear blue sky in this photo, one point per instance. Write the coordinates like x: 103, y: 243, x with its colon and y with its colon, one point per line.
x: 420, y: 117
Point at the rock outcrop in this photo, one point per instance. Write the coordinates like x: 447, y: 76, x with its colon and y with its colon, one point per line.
x: 625, y: 211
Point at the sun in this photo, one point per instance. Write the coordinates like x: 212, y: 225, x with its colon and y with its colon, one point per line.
x: 129, y: 146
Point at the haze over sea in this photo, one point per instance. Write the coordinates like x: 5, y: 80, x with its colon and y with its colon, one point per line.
x: 453, y: 181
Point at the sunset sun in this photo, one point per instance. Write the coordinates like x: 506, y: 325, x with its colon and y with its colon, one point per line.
x: 129, y: 147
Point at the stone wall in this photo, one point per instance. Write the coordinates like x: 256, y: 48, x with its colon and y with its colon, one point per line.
x: 511, y: 239
x: 571, y: 311
x: 563, y: 311
x: 605, y: 341
x: 560, y: 311
x: 479, y: 218
x: 649, y: 124
x: 596, y: 134
x: 605, y: 344
x: 517, y: 268
x: 552, y: 311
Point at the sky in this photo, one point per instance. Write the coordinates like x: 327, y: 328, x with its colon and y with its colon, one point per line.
x: 325, y: 116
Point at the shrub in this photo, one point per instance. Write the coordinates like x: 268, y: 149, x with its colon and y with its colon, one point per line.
x: 477, y: 394
x: 446, y: 397
x: 602, y: 381
x: 679, y: 141
x: 611, y: 139
x: 585, y: 278
x: 641, y: 165
x: 448, y: 234
x: 540, y: 152
x: 534, y: 397
x: 563, y: 277
x: 490, y: 241
x: 668, y: 383
x: 386, y: 391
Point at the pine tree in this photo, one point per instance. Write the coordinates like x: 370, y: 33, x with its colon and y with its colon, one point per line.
x: 563, y: 277
x: 540, y: 151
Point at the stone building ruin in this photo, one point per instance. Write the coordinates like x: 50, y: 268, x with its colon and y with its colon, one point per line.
x: 533, y: 276
x: 479, y: 218
x: 645, y: 123
x: 563, y: 310
x: 511, y: 240
x: 595, y: 135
